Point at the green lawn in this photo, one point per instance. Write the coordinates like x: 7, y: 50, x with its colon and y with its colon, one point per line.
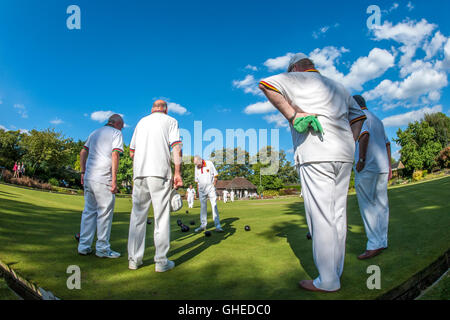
x: 5, y: 292
x: 37, y: 229
x: 440, y: 291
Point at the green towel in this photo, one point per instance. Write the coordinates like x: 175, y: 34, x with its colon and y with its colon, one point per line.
x: 302, y: 125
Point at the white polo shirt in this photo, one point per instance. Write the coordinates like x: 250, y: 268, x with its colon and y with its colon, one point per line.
x: 377, y: 160
x: 205, y: 175
x: 336, y: 110
x: 190, y: 192
x: 101, y: 144
x: 153, y: 138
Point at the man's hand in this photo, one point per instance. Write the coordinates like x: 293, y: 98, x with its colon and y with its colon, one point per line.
x: 302, y: 115
x: 177, y: 181
x: 82, y: 179
x: 360, y: 166
x: 114, y: 187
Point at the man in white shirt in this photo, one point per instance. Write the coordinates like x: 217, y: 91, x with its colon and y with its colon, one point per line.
x: 99, y: 161
x: 206, y: 179
x: 190, y: 192
x: 232, y: 195
x: 153, y: 139
x: 324, y: 160
x: 372, y: 172
x: 225, y: 196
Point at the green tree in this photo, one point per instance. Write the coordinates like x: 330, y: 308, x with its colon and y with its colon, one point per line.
x: 441, y: 124
x: 239, y: 167
x: 10, y: 149
x: 46, y: 153
x: 419, y: 148
x: 125, y: 170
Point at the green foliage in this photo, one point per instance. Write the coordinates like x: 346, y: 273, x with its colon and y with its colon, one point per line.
x: 227, y: 169
x: 54, y: 182
x: 270, y: 193
x: 125, y: 171
x: 419, y: 148
x: 10, y: 150
x: 441, y: 124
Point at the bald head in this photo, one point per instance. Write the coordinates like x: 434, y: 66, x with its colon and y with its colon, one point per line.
x: 198, y: 161
x: 116, y: 121
x: 160, y: 106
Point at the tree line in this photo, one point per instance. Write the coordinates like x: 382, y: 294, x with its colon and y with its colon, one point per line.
x: 49, y: 155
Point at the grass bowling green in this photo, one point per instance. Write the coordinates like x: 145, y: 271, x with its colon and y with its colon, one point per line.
x: 37, y: 240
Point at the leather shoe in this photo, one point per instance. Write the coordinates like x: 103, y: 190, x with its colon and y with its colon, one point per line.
x: 309, y: 285
x: 370, y: 254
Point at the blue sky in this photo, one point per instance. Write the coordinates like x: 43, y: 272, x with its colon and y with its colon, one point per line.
x: 206, y: 57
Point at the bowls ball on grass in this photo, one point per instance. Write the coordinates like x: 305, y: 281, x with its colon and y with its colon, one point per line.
x: 207, y: 233
x: 247, y: 228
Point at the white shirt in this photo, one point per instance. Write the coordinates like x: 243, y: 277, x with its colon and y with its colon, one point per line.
x: 336, y: 110
x: 101, y: 144
x: 376, y: 157
x: 190, y: 192
x: 153, y: 138
x: 205, y: 175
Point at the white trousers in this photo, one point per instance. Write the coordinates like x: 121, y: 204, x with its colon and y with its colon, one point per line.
x: 225, y: 198
x: 190, y: 201
x: 371, y: 190
x: 146, y: 191
x: 208, y: 192
x: 325, y: 188
x: 97, y: 216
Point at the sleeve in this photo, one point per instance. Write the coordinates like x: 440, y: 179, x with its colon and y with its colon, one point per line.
x: 354, y: 111
x: 133, y: 140
x: 365, y: 129
x: 213, y: 169
x: 117, y: 144
x: 174, y: 135
x: 87, y: 144
x: 386, y: 139
x: 274, y: 83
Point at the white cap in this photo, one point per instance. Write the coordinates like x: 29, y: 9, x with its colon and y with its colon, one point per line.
x: 296, y: 58
x: 175, y: 201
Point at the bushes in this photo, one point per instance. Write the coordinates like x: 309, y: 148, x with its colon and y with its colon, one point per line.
x: 417, y: 175
x: 54, y: 182
x: 289, y: 191
x: 270, y: 193
x: 25, y: 181
x: 443, y: 160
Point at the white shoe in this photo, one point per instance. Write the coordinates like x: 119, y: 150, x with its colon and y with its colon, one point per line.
x: 164, y: 267
x: 109, y: 254
x: 200, y: 229
x: 133, y: 265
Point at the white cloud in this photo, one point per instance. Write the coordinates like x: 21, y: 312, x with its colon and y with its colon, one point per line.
x: 325, y: 59
x: 420, y: 82
x: 102, y: 116
x: 26, y: 131
x: 21, y: 110
x: 249, y: 85
x: 404, y: 119
x: 409, y: 33
x: 432, y: 47
x: 279, y: 63
x: 367, y: 68
x: 321, y: 31
x: 3, y: 128
x: 278, y: 119
x: 259, y: 108
x: 177, y: 108
x: 445, y: 64
x: 56, y: 121
x: 250, y: 67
